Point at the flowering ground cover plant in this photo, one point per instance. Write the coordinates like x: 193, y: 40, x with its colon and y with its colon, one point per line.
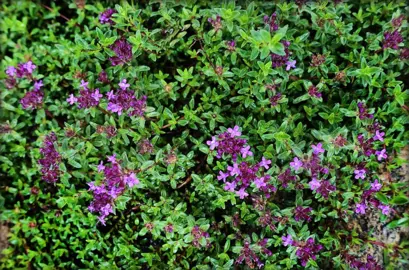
x: 203, y: 135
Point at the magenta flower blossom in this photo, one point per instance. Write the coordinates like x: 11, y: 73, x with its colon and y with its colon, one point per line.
x: 314, y: 184
x: 286, y: 177
x: 84, y: 85
x: 11, y: 71
x: 363, y: 113
x: 234, y: 170
x: 50, y: 163
x: 307, y: 251
x: 259, y: 182
x: 376, y: 186
x: 392, y: 40
x: 360, y: 208
x: 96, y: 95
x: 101, y: 167
x: 123, y: 85
x: 131, y: 180
x: 317, y: 149
x: 379, y: 136
x: 280, y: 60
x: 222, y: 176
x: 275, y: 99
x: 386, y: 210
x: 123, y: 51
x: 38, y: 85
x: 110, y: 95
x: 234, y: 132
x: 404, y: 54
x: 112, y: 158
x: 213, y: 143
x: 125, y: 101
x: 230, y: 186
x: 325, y: 188
x: 216, y: 23
x: 381, y: 154
x: 296, y: 164
x: 271, y: 21
x: 249, y: 256
x: 360, y: 174
x: 32, y: 99
x: 71, y: 100
x: 29, y: 67
x: 228, y: 143
x: 105, y: 17
x: 302, y: 213
x: 245, y: 151
x: 87, y: 99
x: 313, y: 91
x: 242, y: 193
x: 265, y: 163
x: 290, y: 64
x: 287, y: 240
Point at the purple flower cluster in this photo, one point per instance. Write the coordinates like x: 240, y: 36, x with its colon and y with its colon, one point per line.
x: 368, y: 199
x: 124, y: 100
x: 271, y: 21
x: 229, y: 143
x: 313, y: 91
x: 87, y: 98
x: 33, y: 99
x: 216, y: 23
x: 249, y: 256
x: 123, y: 51
x: 392, y: 40
x: 113, y: 185
x: 305, y: 250
x: 280, y: 60
x: 50, y: 168
x: 302, y: 213
x: 362, y: 112
x: 356, y: 263
x: 199, y: 234
x: 275, y: 99
x: 105, y: 17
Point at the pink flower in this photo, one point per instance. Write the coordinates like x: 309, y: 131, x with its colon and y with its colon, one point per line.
x: 245, y: 151
x: 38, y: 85
x: 71, y: 100
x: 96, y: 95
x: 287, y: 240
x: 84, y: 84
x: 123, y: 85
x: 379, y: 136
x: 101, y: 167
x: 386, y: 210
x: 359, y: 174
x: 259, y: 182
x: 235, y: 170
x: 110, y: 95
x: 290, y: 64
x: 235, y: 132
x: 376, y: 186
x: 360, y: 208
x: 213, y: 143
x: 265, y: 163
x: 131, y: 180
x: 314, y: 184
x: 11, y: 71
x: 230, y: 186
x: 242, y: 193
x: 296, y: 164
x: 222, y: 176
x: 317, y: 149
x: 29, y: 67
x: 112, y: 159
x: 381, y: 154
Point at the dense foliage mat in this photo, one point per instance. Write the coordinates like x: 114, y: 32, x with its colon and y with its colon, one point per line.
x: 202, y: 135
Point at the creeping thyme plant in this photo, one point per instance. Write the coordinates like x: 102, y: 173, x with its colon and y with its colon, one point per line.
x: 203, y: 135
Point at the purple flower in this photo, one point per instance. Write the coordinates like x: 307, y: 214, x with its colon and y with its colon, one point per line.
x: 280, y: 60
x: 222, y: 176
x: 359, y: 174
x: 234, y: 132
x: 376, y: 186
x: 231, y: 45
x: 38, y: 85
x: 50, y: 168
x: 29, y: 67
x: 216, y: 23
x: 230, y: 186
x: 271, y: 21
x: 404, y: 54
x: 287, y: 240
x: 84, y: 85
x: 123, y: 85
x: 286, y: 177
x: 245, y: 151
x: 259, y: 182
x: 105, y: 17
x: 123, y: 51
x: 296, y: 164
x: 101, y: 167
x: 96, y: 95
x: 392, y: 40
x: 360, y: 208
x: 235, y: 170
x: 307, y: 251
x: 317, y: 149
x: 242, y: 193
x: 32, y: 99
x: 103, y: 77
x: 313, y: 91
x: 325, y: 188
x: 213, y: 143
x: 363, y: 113
x: 131, y: 180
x: 386, y: 210
x: 112, y: 159
x: 87, y: 98
x: 302, y: 213
x: 379, y: 136
x: 11, y: 71
x: 125, y: 100
x: 275, y: 99
x: 110, y: 95
x: 265, y: 163
x: 290, y: 64
x: 381, y: 154
x: 71, y: 100
x: 314, y: 184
